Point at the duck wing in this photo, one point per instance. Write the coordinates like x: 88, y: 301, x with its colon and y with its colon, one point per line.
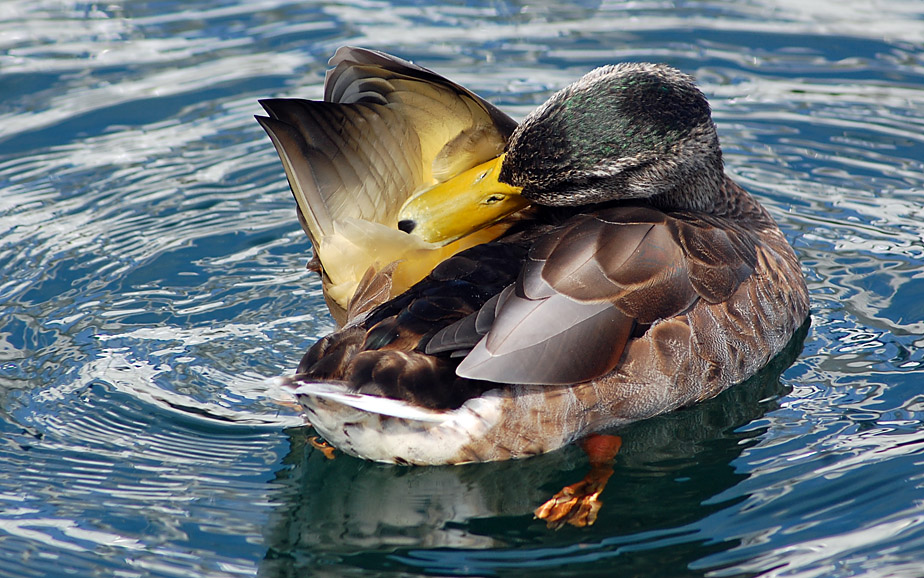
x: 385, y: 129
x: 589, y: 285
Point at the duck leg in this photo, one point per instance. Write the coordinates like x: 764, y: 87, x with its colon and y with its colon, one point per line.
x: 322, y: 446
x: 578, y: 503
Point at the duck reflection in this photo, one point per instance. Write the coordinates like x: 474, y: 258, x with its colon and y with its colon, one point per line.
x: 331, y: 510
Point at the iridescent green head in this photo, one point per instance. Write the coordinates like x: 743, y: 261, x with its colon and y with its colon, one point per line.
x: 620, y: 132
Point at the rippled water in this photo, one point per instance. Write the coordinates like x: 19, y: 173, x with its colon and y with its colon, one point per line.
x: 153, y: 276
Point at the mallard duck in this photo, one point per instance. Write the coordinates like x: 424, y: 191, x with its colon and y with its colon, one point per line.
x: 624, y: 274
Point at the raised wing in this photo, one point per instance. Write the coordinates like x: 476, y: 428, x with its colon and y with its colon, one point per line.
x: 588, y: 286
x: 385, y: 129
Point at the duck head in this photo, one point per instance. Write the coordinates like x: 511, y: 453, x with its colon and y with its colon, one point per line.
x: 624, y: 132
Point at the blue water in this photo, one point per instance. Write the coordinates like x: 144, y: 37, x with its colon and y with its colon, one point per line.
x: 153, y: 275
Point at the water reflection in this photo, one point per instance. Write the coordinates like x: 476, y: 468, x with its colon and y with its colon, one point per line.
x: 668, y: 469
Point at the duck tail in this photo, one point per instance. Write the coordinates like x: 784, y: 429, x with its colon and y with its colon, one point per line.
x: 309, y: 393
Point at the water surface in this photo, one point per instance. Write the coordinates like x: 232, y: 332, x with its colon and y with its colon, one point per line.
x: 153, y: 275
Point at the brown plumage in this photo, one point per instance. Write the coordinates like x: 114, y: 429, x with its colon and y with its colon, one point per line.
x: 640, y: 279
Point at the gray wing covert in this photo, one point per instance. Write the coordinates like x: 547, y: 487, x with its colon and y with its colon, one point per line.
x: 589, y: 285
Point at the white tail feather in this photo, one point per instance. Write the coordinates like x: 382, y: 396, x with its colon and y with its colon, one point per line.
x: 369, y: 403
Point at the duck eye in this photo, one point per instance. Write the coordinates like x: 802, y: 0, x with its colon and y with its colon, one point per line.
x: 496, y: 198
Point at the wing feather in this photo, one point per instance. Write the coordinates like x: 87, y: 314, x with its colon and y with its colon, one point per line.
x: 386, y: 129
x: 588, y: 284
x: 585, y: 341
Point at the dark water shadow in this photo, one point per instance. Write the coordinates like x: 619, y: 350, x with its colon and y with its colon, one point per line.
x: 346, y: 516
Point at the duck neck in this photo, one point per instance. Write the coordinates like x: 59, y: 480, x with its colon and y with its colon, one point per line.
x: 716, y: 195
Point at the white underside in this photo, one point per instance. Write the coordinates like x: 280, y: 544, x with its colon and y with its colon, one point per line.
x: 389, y: 430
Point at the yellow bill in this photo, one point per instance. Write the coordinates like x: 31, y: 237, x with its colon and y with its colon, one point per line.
x: 461, y: 205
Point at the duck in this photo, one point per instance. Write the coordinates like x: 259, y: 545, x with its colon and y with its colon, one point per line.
x: 604, y: 269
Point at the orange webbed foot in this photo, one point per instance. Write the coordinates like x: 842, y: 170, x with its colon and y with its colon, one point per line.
x: 323, y: 446
x: 578, y: 504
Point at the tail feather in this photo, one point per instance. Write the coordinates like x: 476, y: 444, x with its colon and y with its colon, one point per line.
x: 367, y: 403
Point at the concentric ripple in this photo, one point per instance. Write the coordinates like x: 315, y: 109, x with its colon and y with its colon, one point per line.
x: 153, y: 279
